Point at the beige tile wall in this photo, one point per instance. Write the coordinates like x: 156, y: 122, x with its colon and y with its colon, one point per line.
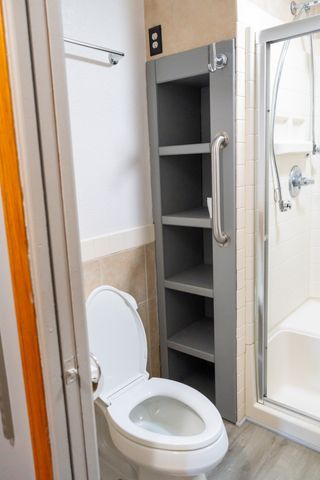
x: 189, y: 24
x: 132, y: 271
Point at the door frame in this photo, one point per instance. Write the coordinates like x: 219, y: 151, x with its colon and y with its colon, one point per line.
x: 40, y: 105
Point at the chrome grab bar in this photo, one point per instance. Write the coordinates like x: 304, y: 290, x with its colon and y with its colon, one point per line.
x: 220, y: 141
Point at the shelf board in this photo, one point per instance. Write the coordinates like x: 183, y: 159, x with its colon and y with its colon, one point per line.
x: 197, y: 280
x: 196, y: 340
x: 283, y: 148
x: 202, y: 382
x: 192, y: 149
x: 196, y: 217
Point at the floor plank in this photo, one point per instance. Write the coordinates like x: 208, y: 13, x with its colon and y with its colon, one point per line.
x: 258, y: 454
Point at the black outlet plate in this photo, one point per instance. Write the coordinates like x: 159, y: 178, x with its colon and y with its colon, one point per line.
x: 155, y: 40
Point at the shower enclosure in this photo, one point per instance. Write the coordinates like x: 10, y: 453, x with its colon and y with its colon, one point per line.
x: 288, y: 216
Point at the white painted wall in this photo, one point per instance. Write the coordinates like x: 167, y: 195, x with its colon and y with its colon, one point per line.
x: 16, y: 461
x: 108, y: 109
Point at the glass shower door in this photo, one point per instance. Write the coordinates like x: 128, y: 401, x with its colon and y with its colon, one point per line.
x: 292, y: 227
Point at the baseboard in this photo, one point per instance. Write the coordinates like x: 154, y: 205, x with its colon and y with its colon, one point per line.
x: 241, y: 422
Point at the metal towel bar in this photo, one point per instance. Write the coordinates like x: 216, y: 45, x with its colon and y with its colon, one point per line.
x: 114, y: 55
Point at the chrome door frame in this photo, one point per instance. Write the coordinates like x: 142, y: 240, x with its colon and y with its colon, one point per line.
x: 264, y: 40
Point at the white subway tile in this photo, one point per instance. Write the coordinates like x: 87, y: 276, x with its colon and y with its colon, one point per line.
x: 241, y: 317
x: 241, y: 218
x: 240, y: 59
x: 241, y: 298
x: 240, y: 84
x: 241, y: 260
x: 240, y: 239
x: 241, y: 279
x: 241, y: 152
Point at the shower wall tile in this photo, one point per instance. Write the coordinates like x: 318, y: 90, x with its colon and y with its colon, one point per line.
x: 133, y: 271
x: 315, y: 289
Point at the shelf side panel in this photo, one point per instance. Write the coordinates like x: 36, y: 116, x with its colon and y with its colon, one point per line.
x: 222, y: 99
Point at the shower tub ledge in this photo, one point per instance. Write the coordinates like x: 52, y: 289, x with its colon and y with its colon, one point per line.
x: 294, y: 360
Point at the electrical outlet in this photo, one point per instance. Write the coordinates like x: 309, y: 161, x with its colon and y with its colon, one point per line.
x: 155, y: 40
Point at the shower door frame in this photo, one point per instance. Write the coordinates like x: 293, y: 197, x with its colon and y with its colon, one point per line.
x: 264, y: 40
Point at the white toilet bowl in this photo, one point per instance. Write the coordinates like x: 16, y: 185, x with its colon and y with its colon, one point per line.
x: 164, y: 428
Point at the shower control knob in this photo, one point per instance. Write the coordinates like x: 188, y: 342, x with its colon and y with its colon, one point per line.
x: 296, y: 181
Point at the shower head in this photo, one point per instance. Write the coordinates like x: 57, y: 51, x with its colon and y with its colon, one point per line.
x: 298, y: 7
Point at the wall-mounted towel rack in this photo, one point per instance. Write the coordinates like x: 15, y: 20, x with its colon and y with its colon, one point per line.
x: 114, y: 56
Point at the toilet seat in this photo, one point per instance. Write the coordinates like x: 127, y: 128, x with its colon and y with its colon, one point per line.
x: 117, y: 340
x: 118, y: 415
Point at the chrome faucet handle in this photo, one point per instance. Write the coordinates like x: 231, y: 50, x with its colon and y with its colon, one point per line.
x: 296, y: 181
x: 307, y: 181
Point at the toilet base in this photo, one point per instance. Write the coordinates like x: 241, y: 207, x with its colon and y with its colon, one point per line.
x: 145, y: 474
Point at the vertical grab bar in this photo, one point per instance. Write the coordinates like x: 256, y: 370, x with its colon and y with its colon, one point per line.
x: 220, y: 141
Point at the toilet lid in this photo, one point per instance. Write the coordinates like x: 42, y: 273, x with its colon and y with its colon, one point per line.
x: 116, y: 339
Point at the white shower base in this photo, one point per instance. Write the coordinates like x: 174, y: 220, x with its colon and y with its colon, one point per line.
x: 294, y: 360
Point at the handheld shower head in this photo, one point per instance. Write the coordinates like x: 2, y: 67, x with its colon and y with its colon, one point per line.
x: 297, y: 8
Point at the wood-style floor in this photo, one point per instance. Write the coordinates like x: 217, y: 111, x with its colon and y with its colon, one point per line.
x: 258, y: 454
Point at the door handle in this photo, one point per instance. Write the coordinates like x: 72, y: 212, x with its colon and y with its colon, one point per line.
x: 220, y: 141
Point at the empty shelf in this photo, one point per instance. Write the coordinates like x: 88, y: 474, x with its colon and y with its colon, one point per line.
x: 196, y: 217
x: 192, y: 149
x: 196, y: 340
x: 283, y: 148
x: 197, y: 280
x: 203, y: 382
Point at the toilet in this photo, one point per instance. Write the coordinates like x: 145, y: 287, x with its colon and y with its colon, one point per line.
x: 162, y: 428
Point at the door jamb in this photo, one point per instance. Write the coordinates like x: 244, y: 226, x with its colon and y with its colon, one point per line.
x: 35, y: 47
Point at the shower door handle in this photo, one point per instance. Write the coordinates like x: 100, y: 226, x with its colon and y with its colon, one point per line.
x: 220, y: 141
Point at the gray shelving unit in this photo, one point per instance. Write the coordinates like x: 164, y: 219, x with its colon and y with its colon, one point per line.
x: 188, y: 105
